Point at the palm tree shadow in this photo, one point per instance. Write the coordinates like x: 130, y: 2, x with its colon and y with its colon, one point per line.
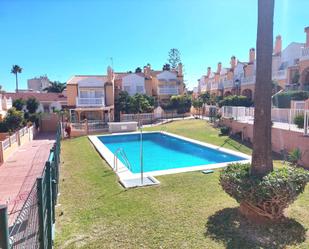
x: 235, y: 231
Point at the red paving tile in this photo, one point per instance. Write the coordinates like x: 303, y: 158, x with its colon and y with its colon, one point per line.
x: 19, y: 172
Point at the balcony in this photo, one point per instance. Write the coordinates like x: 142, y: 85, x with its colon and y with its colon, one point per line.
x: 305, y: 53
x: 90, y: 102
x: 214, y: 86
x: 279, y: 75
x: 168, y: 90
x: 250, y: 80
x: 228, y: 84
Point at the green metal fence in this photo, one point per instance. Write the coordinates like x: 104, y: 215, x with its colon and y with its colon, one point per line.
x: 34, y: 224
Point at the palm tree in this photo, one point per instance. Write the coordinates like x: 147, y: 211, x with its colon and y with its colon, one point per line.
x: 262, y: 151
x: 16, y: 70
x: 55, y: 87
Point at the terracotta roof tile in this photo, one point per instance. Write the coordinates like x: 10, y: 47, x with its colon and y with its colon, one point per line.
x: 38, y: 96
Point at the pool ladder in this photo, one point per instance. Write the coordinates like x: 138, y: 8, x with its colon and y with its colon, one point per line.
x: 120, y: 153
x: 163, y: 129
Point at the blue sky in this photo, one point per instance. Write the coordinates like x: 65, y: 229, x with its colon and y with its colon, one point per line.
x: 61, y: 38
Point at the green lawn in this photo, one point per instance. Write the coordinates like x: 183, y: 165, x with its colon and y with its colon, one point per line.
x: 187, y: 210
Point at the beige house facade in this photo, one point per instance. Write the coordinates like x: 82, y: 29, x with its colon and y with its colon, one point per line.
x: 91, y: 97
x: 290, y: 71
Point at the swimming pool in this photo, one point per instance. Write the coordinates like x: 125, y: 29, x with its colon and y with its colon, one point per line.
x: 165, y: 152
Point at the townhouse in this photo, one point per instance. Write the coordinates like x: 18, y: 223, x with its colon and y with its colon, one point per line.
x: 92, y: 97
x: 290, y: 71
x: 161, y: 84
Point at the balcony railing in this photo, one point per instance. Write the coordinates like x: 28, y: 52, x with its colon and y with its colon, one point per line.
x: 89, y: 102
x: 167, y: 90
x: 228, y: 83
x: 305, y: 53
x: 214, y: 86
x: 248, y: 80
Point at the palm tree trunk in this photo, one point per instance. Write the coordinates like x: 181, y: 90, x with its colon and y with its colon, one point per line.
x: 16, y: 82
x: 262, y: 151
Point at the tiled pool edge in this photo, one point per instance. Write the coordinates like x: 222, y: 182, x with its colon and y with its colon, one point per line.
x: 124, y: 173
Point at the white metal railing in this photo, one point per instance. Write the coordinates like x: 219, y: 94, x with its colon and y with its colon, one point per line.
x: 228, y: 83
x: 282, y: 116
x: 168, y: 90
x: 90, y: 101
x: 214, y: 86
x: 305, y: 53
x: 120, y: 152
x: 248, y: 80
x: 145, y: 117
x: 97, y: 125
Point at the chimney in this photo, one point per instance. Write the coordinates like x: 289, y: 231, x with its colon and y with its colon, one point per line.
x: 278, y: 45
x: 233, y: 62
x: 307, y: 36
x: 110, y: 74
x: 147, y: 70
x: 219, y: 67
x: 208, y: 71
x: 179, y: 69
x: 251, y: 55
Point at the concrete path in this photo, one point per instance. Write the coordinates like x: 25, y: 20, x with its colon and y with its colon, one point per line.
x: 19, y: 172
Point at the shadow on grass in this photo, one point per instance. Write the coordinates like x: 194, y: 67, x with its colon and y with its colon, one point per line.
x: 235, y: 231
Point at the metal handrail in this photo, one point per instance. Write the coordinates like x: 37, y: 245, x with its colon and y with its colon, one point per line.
x: 163, y: 129
x: 121, y: 152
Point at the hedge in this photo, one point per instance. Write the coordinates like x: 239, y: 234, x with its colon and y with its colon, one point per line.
x: 283, y: 100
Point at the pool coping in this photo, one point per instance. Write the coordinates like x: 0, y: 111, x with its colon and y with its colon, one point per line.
x: 124, y: 173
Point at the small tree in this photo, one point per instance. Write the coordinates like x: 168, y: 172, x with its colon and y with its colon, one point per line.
x: 19, y: 104
x: 166, y: 67
x: 138, y: 70
x: 174, y: 58
x: 198, y: 104
x: 32, y: 105
x: 14, y: 119
x: 181, y: 103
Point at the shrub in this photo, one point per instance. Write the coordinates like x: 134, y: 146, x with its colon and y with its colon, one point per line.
x: 299, y: 121
x: 224, y: 130
x: 283, y: 100
x: 34, y: 119
x: 294, y: 156
x: 3, y: 127
x: 19, y: 104
x: 268, y: 196
x: 235, y: 100
x: 32, y: 105
x: 13, y: 119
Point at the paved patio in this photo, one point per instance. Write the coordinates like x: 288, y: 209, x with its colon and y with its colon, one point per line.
x: 19, y: 172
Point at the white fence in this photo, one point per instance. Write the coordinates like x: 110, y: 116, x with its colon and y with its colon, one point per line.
x: 15, y: 140
x: 145, y: 118
x: 279, y: 115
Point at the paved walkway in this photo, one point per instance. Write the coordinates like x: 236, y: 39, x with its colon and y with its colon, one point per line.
x: 19, y: 172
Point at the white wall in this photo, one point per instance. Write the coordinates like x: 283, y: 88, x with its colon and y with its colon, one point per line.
x: 133, y: 83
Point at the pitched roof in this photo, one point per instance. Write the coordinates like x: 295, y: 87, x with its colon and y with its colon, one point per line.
x: 76, y: 78
x: 39, y: 96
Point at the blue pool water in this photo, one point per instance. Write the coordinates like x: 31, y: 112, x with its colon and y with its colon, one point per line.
x: 163, y: 152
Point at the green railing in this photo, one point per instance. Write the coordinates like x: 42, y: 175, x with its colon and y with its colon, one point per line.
x: 33, y: 226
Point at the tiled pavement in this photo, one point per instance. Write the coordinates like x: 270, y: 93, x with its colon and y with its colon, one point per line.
x: 19, y: 172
